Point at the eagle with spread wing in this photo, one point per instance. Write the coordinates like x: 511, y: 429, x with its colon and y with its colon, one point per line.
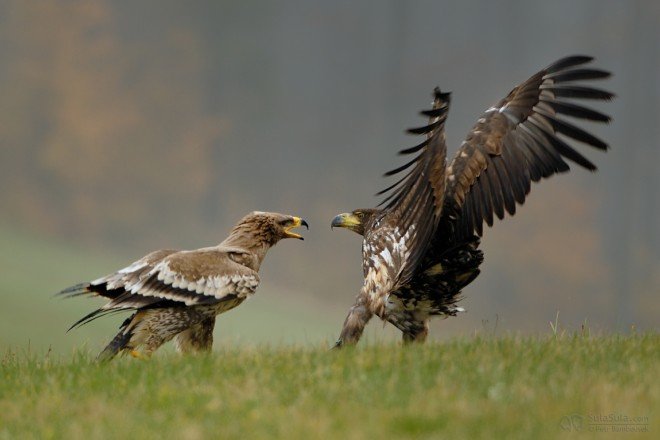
x: 178, y: 294
x: 421, y: 247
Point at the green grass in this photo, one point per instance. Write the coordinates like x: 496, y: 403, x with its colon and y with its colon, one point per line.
x: 508, y: 387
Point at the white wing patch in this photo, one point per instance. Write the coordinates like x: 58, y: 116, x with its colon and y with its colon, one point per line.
x: 217, y: 287
x: 134, y: 267
x: 121, y: 278
x: 213, y: 286
x: 386, y: 256
x: 400, y: 243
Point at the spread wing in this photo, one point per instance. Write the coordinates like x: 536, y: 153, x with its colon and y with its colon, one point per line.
x: 413, y: 204
x: 522, y: 139
x: 171, y: 278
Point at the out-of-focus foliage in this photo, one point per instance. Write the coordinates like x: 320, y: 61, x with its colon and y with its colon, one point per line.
x: 133, y: 126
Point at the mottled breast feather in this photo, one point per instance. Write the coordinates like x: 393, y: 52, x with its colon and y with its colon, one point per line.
x: 384, y: 253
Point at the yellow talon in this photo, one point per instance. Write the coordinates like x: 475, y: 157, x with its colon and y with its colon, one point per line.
x: 137, y: 355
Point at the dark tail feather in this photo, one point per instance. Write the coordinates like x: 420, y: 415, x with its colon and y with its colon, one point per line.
x: 94, y: 315
x: 117, y: 344
x: 77, y: 290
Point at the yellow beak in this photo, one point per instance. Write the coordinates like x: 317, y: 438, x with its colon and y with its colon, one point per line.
x: 345, y: 220
x: 297, y: 222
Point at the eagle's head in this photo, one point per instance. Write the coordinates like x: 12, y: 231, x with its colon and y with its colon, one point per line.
x: 357, y: 221
x: 267, y: 228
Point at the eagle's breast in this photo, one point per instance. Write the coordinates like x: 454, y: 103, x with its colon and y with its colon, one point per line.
x: 384, y: 252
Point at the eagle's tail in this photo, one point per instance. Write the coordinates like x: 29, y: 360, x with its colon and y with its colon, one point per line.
x: 118, y: 343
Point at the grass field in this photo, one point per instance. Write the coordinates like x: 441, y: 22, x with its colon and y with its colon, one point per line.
x: 508, y: 387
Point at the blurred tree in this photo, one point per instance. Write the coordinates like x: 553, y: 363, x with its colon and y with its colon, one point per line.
x: 121, y: 139
x: 147, y: 124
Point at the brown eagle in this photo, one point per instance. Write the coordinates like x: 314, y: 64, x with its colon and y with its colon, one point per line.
x: 179, y: 293
x: 421, y: 247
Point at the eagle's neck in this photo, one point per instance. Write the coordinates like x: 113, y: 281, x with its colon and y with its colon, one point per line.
x: 255, y: 241
x: 372, y: 220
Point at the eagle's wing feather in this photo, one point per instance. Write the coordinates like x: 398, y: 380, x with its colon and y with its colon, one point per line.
x: 111, y: 286
x: 414, y: 203
x: 517, y: 142
x: 203, y: 276
x: 194, y: 277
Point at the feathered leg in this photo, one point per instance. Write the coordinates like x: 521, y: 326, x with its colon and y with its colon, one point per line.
x: 197, y: 338
x: 146, y: 328
x: 358, y: 317
x: 417, y: 333
x: 415, y: 328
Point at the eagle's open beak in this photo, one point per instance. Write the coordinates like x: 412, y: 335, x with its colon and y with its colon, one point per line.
x: 345, y: 220
x: 297, y: 222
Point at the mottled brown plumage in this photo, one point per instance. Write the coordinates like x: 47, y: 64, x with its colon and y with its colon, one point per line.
x: 421, y: 248
x: 179, y: 293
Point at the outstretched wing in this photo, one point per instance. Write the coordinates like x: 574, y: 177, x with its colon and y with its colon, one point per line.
x: 168, y: 278
x: 413, y: 205
x: 517, y: 142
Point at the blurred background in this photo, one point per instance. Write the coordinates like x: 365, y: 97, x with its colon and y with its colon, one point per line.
x: 133, y: 126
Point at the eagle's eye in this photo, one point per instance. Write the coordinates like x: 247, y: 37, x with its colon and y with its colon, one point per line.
x: 283, y: 222
x: 359, y: 214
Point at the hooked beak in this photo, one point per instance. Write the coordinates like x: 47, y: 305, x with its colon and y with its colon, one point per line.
x: 297, y: 223
x: 345, y: 220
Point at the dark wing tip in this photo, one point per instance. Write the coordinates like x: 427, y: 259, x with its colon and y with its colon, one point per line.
x: 435, y: 113
x: 569, y: 61
x: 414, y: 149
x: 402, y: 167
x: 444, y: 97
x: 578, y: 111
x: 579, y: 92
x: 74, y: 290
x: 93, y: 316
x: 85, y: 319
x: 427, y: 128
x: 578, y: 75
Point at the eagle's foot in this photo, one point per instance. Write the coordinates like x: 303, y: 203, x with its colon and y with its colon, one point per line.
x: 137, y: 355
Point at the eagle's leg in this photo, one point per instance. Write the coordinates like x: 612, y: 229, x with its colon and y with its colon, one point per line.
x: 198, y: 337
x: 125, y: 341
x: 358, y: 317
x: 414, y: 328
x: 417, y: 332
x: 148, y: 329
x: 153, y: 343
